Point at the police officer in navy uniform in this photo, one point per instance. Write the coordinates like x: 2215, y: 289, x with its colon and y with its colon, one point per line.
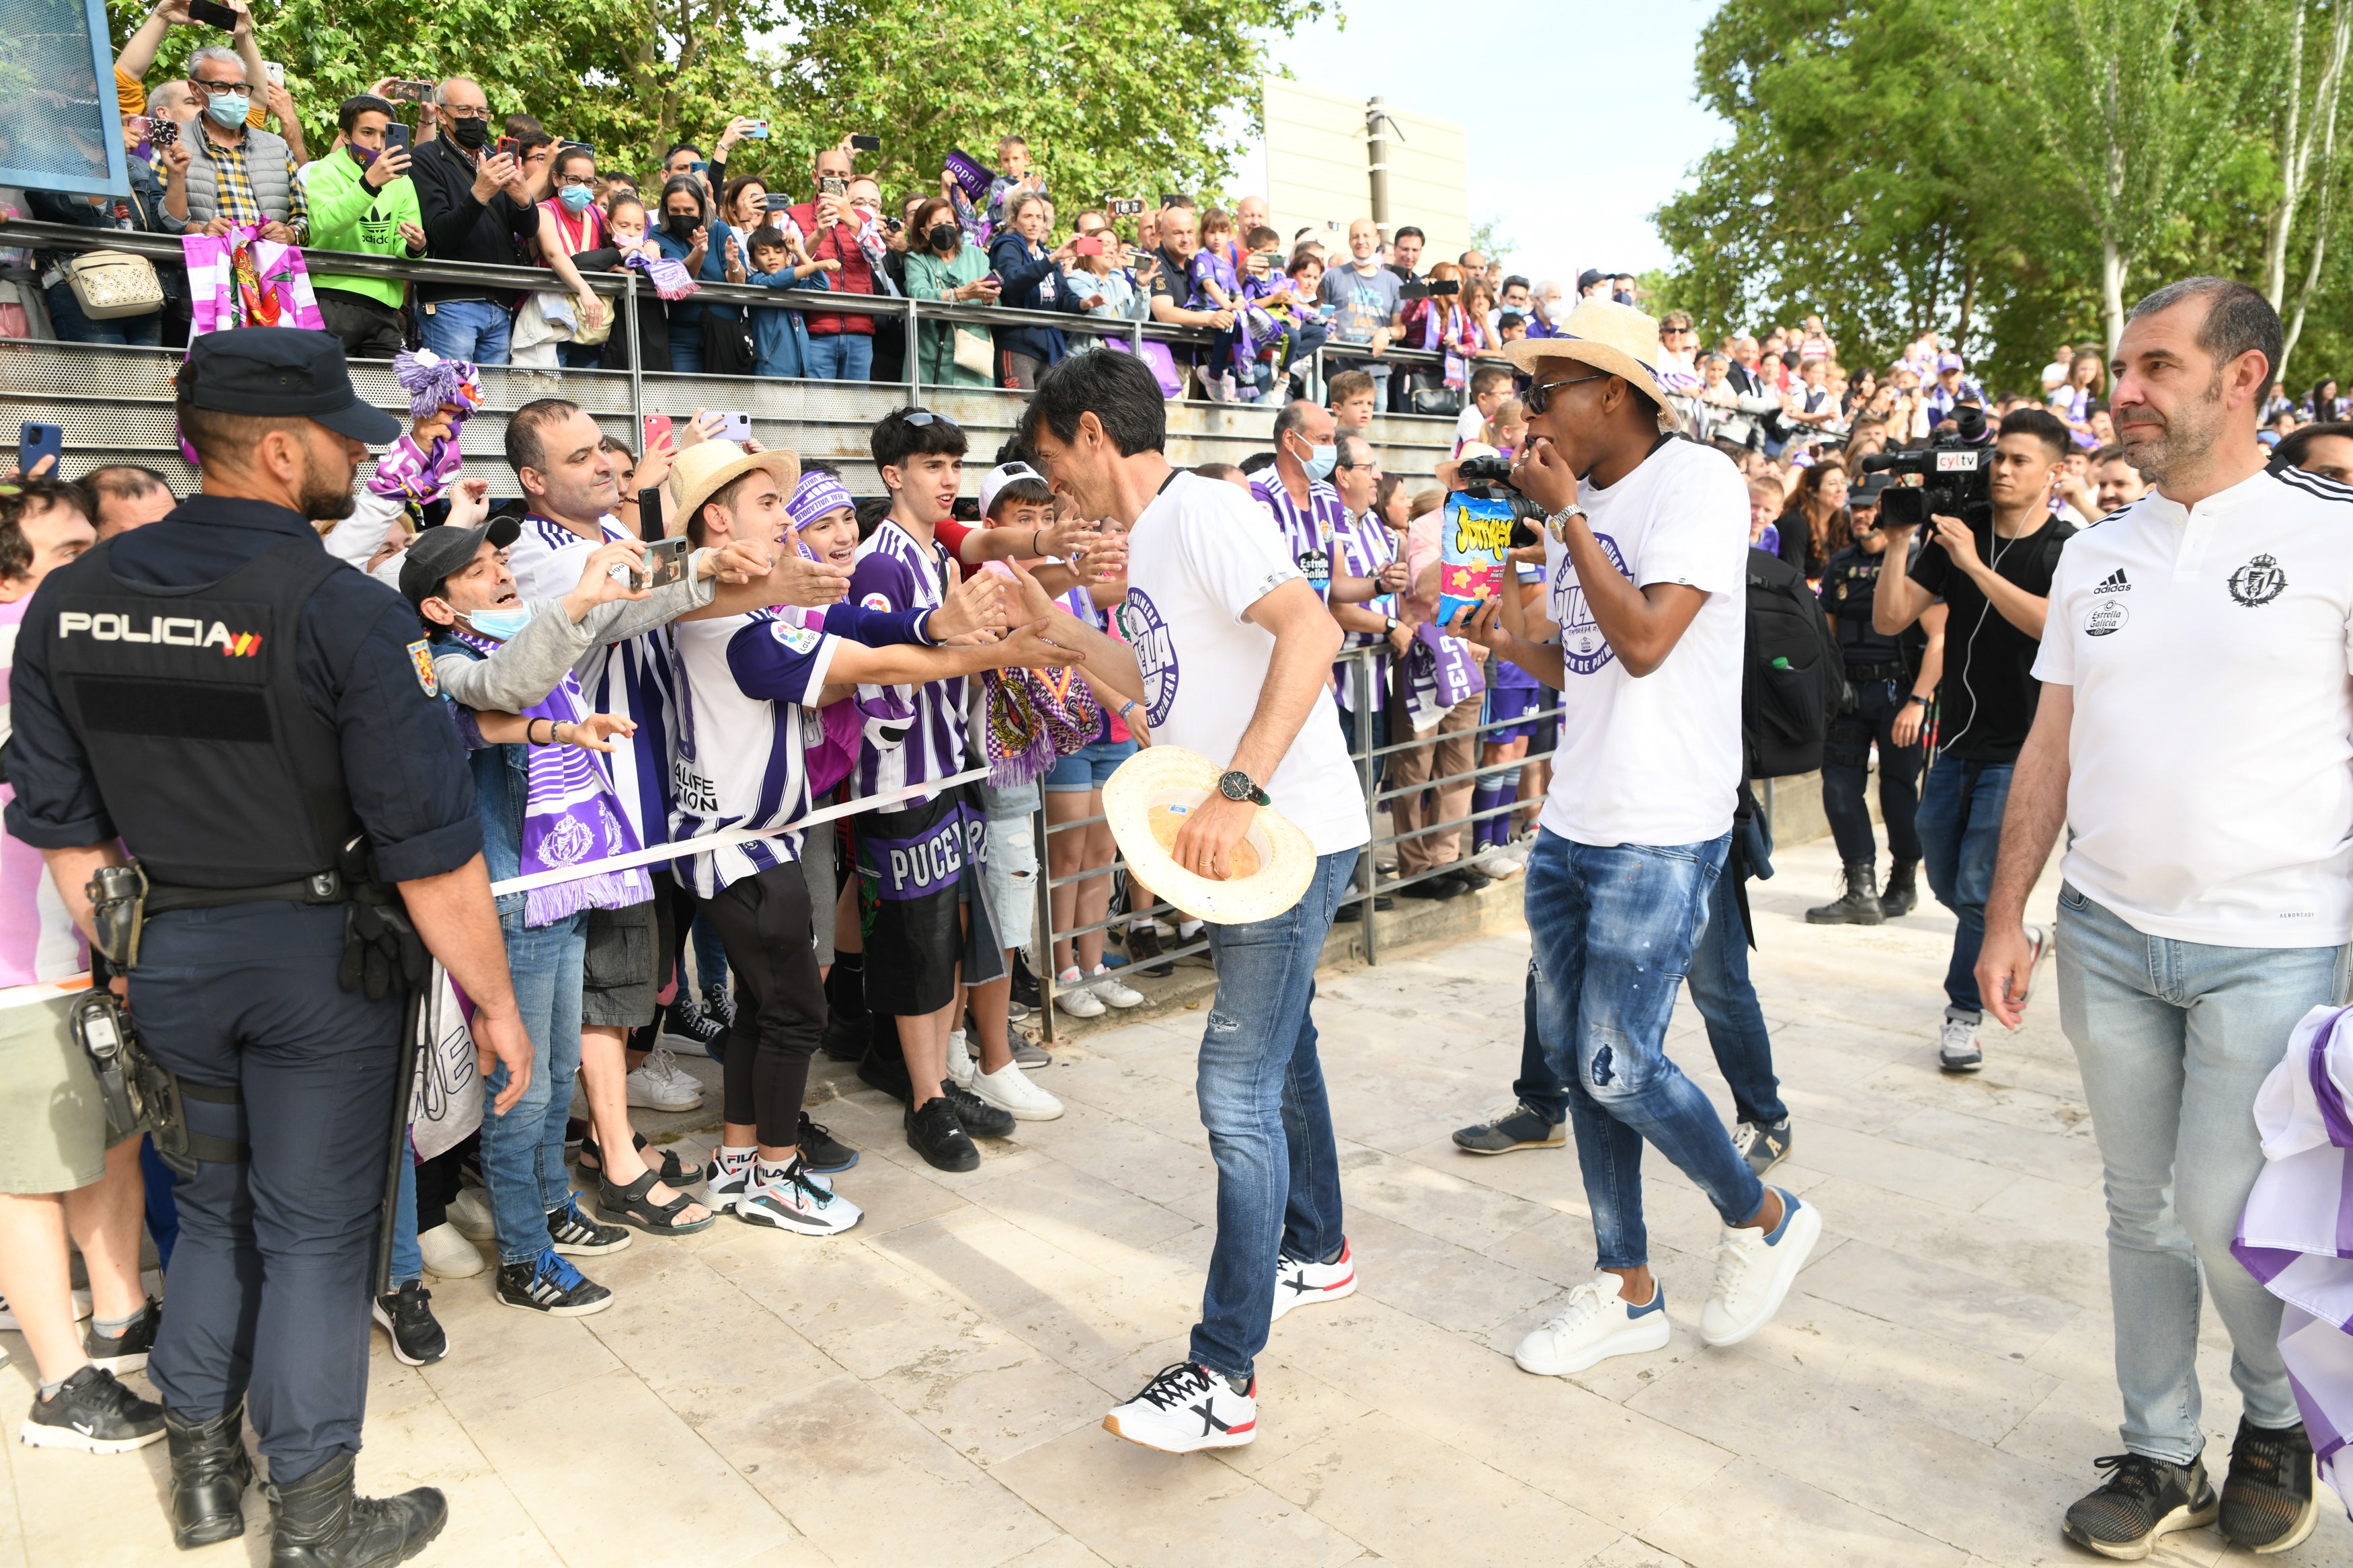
x: 259, y: 726
x: 1893, y: 690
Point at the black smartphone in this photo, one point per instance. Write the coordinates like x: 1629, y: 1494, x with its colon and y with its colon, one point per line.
x: 1447, y: 286
x: 395, y: 135
x: 212, y: 14
x: 866, y: 143
x: 35, y: 441
x: 649, y: 513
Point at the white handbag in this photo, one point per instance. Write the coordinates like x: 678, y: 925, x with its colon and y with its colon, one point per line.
x: 108, y: 284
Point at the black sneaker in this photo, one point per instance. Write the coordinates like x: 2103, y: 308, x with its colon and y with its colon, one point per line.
x: 2142, y: 1500
x: 2268, y: 1501
x: 821, y: 1151
x: 95, y: 1414
x: 1029, y: 1056
x: 548, y: 1285
x: 1353, y: 909
x: 1763, y: 1147
x: 1522, y: 1127
x: 885, y: 1071
x: 125, y: 1352
x: 575, y: 1234
x: 719, y: 1002
x: 980, y: 1119
x: 416, y: 1337
x: 845, y: 1036
x: 1144, y: 945
x: 1470, y: 878
x: 690, y: 1025
x: 934, y: 1132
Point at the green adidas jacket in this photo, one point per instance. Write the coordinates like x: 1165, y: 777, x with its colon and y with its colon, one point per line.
x: 347, y: 215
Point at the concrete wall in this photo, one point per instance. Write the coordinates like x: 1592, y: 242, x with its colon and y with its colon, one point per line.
x: 1318, y: 169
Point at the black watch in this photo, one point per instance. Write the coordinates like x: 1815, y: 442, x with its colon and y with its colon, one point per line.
x: 1916, y: 697
x: 1389, y: 623
x: 1237, y: 786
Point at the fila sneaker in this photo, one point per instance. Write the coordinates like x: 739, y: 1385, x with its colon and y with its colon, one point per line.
x: 1186, y: 1408
x: 787, y: 1197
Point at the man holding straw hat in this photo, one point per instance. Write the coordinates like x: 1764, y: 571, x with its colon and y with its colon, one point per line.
x: 1230, y: 651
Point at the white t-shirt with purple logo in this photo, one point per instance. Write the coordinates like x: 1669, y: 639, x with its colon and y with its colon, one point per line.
x: 1198, y: 559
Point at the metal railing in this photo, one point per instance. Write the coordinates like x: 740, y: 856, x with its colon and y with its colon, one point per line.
x: 1416, y: 443
x: 1360, y: 668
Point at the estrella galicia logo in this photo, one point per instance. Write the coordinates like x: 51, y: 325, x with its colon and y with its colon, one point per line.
x: 2259, y: 582
x: 2106, y: 619
x: 1583, y: 649
x: 1155, y: 654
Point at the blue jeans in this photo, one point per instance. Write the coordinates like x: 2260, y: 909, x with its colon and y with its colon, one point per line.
x: 1960, y: 828
x: 408, y: 1262
x: 2173, y: 1040
x: 842, y: 356
x: 1727, y: 1003
x: 73, y: 327
x: 469, y: 329
x: 1261, y: 1088
x: 686, y: 346
x: 523, y: 1151
x: 1613, y: 931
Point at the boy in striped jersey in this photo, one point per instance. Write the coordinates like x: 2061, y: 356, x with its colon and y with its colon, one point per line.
x: 746, y: 687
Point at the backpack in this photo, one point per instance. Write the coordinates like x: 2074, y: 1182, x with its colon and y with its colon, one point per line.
x: 1794, y: 681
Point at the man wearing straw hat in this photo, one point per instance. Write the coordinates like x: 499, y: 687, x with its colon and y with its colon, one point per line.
x: 1231, y: 649
x: 1646, y: 540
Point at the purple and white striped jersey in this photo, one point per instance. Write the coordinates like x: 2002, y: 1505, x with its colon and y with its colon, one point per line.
x: 1307, y: 532
x: 894, y: 572
x: 631, y: 677
x: 746, y: 689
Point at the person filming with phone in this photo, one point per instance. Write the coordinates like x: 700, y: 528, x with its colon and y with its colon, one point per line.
x: 360, y: 198
x: 841, y: 345
x: 477, y: 208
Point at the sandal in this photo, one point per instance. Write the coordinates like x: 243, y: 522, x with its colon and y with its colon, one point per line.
x: 631, y: 1207
x: 592, y: 1161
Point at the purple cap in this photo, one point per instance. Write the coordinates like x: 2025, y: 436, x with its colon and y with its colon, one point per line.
x: 1948, y: 362
x: 968, y: 173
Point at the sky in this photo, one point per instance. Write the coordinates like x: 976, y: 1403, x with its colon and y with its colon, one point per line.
x: 1574, y: 164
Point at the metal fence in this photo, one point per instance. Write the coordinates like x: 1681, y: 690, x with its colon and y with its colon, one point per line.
x: 1360, y: 667
x: 114, y: 403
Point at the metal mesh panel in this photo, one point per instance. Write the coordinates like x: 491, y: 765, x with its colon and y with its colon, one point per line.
x: 58, y: 125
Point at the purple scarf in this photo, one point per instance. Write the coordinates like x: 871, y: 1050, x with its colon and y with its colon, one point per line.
x: 569, y: 815
x: 1031, y: 724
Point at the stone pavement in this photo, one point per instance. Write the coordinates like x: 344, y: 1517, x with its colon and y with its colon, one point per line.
x: 929, y: 1387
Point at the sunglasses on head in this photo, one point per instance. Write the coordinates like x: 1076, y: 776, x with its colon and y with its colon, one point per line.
x: 919, y: 417
x: 1539, y: 397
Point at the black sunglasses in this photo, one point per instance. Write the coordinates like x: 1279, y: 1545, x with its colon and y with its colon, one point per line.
x: 1539, y: 397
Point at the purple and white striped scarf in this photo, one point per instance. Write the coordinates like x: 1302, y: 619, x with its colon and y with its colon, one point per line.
x: 2296, y: 1234
x: 570, y: 815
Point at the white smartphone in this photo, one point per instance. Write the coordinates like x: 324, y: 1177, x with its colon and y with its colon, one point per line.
x: 276, y: 72
x: 735, y: 427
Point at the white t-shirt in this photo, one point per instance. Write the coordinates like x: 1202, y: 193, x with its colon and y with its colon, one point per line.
x: 1198, y: 559
x: 1654, y: 761
x: 2211, y: 760
x: 1470, y: 425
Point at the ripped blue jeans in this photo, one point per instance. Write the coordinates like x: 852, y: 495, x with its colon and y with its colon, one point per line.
x: 1260, y: 1088
x: 1613, y: 931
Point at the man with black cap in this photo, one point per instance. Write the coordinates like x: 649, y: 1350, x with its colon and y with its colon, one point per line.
x: 258, y: 728
x: 1894, y: 681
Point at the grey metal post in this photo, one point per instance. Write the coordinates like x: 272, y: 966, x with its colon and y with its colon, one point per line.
x: 1366, y: 664
x: 1045, y: 944
x: 915, y: 382
x: 637, y: 359
x: 1377, y: 148
x: 1136, y: 339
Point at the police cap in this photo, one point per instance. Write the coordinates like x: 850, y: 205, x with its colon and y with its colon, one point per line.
x: 277, y: 371
x: 439, y: 552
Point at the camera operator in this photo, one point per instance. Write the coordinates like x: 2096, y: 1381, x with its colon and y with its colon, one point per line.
x: 1894, y: 681
x: 271, y: 750
x: 1994, y: 575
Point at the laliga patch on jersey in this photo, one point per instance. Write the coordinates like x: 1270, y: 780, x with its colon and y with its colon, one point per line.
x: 800, y: 640
x: 420, y: 659
x: 876, y: 601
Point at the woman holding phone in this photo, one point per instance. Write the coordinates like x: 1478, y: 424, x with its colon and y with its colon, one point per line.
x: 941, y: 266
x: 1031, y: 277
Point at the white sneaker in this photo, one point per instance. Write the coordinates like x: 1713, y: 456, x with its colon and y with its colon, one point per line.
x: 1186, y: 1408
x: 448, y: 1253
x: 724, y: 1182
x: 960, y: 1066
x: 1113, y: 989
x: 1073, y: 994
x: 1957, y: 1044
x: 1753, y: 1272
x: 783, y: 1198
x: 661, y: 1084
x: 1298, y: 1282
x: 469, y: 1211
x: 1506, y: 862
x: 1597, y: 1324
x: 1010, y: 1089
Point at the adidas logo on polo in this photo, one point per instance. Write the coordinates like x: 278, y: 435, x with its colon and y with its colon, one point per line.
x: 2114, y: 583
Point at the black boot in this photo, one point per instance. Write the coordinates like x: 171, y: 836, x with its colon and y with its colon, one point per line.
x: 1903, y: 890
x: 318, y: 1523
x: 210, y: 1470
x: 1858, y: 906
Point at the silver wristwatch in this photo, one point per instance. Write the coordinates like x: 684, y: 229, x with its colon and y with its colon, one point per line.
x: 1556, y: 523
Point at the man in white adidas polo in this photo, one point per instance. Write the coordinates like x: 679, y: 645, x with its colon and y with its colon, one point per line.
x: 2196, y: 732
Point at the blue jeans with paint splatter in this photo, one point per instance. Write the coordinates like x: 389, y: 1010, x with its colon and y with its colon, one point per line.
x: 1613, y: 931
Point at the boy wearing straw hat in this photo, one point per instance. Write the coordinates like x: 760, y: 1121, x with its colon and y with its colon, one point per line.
x: 1230, y: 650
x: 1645, y: 548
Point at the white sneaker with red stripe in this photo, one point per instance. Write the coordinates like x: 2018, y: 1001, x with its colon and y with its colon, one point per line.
x: 1185, y: 1408
x: 1298, y: 1282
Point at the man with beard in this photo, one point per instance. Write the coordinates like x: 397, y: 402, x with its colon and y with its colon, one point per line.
x: 259, y: 727
x: 2192, y: 735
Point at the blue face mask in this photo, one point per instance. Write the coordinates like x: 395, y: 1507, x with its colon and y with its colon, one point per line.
x: 1321, y: 461
x: 228, y: 108
x: 576, y: 198
x: 499, y: 623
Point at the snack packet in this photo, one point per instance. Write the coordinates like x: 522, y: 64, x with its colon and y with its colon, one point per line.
x: 1473, y: 541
